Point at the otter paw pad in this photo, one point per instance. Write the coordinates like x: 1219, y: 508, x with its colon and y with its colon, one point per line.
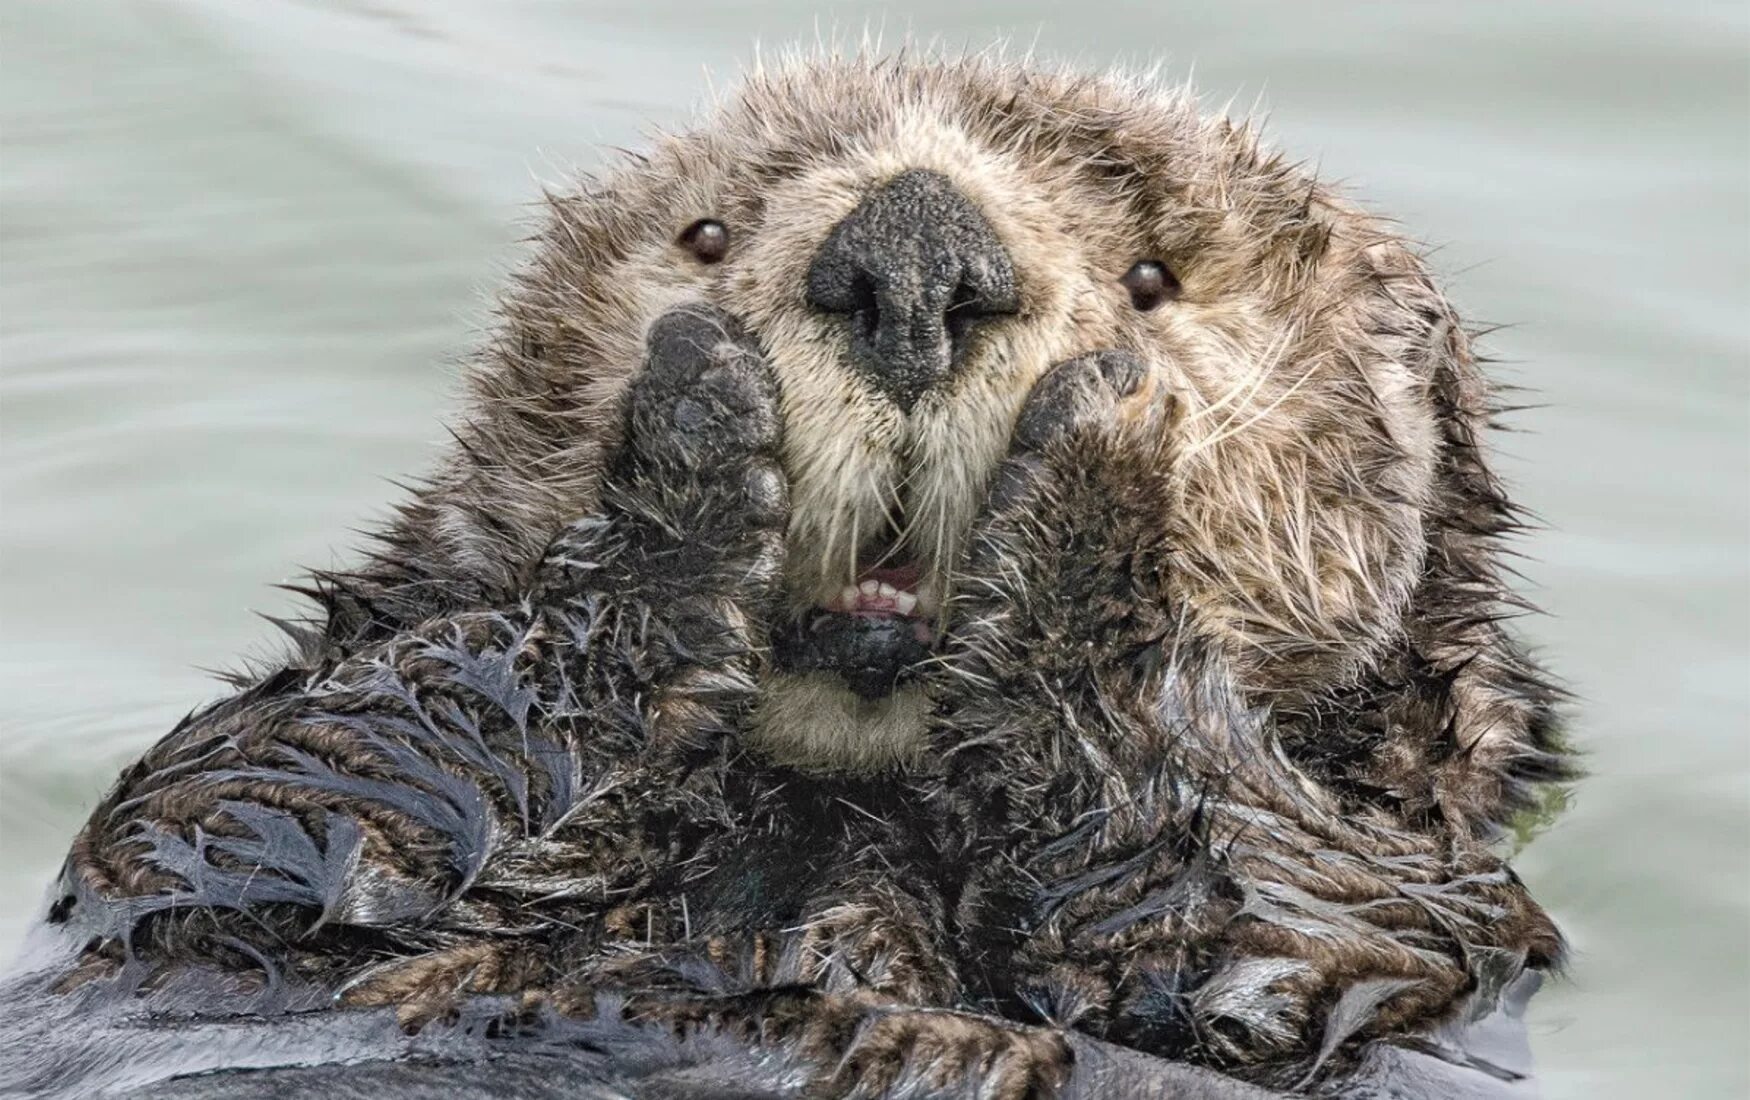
x: 1076, y: 396
x: 705, y: 395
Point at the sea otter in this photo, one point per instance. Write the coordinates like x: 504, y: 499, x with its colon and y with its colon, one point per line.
x: 942, y: 561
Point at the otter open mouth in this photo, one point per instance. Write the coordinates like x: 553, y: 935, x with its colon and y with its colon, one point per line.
x: 914, y: 277
x: 873, y: 633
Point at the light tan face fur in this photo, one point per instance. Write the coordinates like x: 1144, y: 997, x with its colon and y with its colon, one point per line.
x: 1301, y: 348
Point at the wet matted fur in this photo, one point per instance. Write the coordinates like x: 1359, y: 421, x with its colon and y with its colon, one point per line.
x: 1220, y: 717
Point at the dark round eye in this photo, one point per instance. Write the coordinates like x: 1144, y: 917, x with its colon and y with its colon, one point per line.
x: 1150, y: 283
x: 706, y: 239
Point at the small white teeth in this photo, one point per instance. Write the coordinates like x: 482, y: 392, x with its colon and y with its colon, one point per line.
x: 874, y: 595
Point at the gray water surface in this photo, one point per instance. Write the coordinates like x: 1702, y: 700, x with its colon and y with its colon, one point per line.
x: 243, y: 246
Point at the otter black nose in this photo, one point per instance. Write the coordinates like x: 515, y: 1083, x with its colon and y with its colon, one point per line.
x: 915, y: 268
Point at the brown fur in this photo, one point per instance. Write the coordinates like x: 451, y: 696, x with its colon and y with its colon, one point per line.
x: 1338, y: 521
x: 1222, y: 646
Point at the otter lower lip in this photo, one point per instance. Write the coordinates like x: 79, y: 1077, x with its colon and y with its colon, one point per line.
x: 872, y: 633
x: 873, y: 654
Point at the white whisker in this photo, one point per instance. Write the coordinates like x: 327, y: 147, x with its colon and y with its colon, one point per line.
x: 1223, y: 435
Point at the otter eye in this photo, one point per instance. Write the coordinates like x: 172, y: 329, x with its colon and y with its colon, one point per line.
x: 706, y: 239
x: 1150, y: 283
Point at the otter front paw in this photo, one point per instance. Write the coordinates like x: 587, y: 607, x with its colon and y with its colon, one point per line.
x: 669, y: 587
x: 695, y: 502
x: 1069, y: 561
x: 706, y: 401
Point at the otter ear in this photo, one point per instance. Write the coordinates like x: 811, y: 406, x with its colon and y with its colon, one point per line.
x: 1454, y: 722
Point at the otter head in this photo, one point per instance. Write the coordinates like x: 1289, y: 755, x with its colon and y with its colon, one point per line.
x: 914, y: 243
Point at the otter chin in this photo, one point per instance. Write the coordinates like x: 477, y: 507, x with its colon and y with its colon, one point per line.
x: 847, y: 674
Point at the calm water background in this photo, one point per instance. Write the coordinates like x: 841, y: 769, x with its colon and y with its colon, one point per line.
x: 242, y: 247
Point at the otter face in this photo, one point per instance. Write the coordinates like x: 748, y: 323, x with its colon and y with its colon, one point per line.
x: 914, y: 245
